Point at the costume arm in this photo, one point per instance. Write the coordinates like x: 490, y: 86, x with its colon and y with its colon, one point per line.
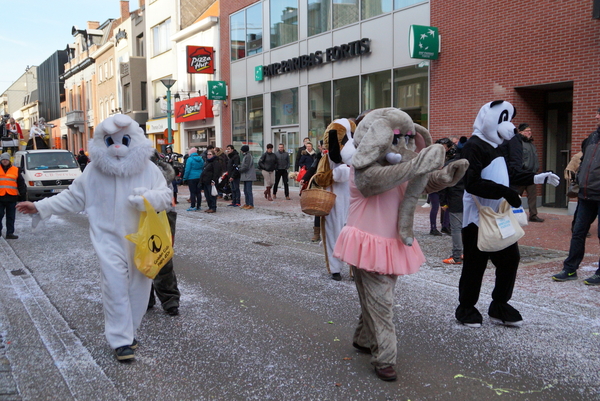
x: 446, y: 177
x: 376, y: 179
x: 341, y: 173
x: 71, y: 200
x: 159, y: 195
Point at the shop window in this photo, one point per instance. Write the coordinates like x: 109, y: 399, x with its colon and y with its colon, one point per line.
x: 376, y: 90
x: 284, y: 22
x: 201, y: 138
x: 346, y: 98
x: 238, y: 119
x: 161, y: 37
x: 319, y: 16
x: 410, y: 92
x: 246, y: 32
x: 345, y: 12
x: 255, y: 125
x: 284, y: 107
x: 319, y: 110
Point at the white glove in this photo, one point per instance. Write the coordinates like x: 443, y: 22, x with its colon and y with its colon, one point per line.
x: 546, y: 178
x: 137, y: 201
x: 393, y: 158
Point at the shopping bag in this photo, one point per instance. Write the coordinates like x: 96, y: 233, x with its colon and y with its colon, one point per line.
x: 520, y: 215
x: 213, y: 190
x: 497, y: 231
x: 301, y: 174
x: 153, y: 241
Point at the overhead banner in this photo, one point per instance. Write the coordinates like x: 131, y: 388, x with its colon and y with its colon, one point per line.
x: 196, y: 108
x: 423, y: 42
x: 200, y: 60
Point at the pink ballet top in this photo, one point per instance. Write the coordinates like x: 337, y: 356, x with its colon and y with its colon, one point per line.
x: 370, y: 239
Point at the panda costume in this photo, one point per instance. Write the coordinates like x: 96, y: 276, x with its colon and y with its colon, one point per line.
x: 110, y: 191
x: 490, y: 151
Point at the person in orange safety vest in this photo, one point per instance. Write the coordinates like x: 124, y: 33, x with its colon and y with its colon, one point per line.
x: 12, y: 186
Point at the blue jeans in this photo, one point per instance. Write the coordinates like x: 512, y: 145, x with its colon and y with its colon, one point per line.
x: 235, y: 191
x: 249, y: 197
x: 587, y: 211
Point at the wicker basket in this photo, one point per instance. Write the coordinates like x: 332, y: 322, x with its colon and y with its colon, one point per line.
x: 316, y: 201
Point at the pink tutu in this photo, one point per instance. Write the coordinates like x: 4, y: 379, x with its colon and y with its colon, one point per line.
x: 378, y: 254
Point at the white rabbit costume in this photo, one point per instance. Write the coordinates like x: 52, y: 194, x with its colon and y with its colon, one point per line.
x: 109, y: 192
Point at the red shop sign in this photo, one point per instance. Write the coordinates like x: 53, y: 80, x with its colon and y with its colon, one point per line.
x: 200, y: 60
x: 196, y: 108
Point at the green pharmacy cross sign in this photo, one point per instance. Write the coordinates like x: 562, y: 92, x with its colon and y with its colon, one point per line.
x: 424, y: 42
x: 217, y: 90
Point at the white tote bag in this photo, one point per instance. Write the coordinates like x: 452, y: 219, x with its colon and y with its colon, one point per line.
x: 499, y: 230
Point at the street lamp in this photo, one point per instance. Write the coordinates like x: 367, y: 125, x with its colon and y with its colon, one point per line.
x: 168, y: 83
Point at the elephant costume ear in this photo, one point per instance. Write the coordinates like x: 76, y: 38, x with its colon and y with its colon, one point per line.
x: 423, y: 138
x: 374, y: 136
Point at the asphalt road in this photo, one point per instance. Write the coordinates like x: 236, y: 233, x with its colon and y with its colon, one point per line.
x: 261, y: 320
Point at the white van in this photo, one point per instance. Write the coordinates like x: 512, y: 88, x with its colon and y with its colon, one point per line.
x: 46, y: 171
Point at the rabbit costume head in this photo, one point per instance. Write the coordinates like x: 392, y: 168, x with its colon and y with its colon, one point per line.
x: 119, y: 146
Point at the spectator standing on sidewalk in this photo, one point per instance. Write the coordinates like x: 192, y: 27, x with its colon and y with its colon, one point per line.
x: 531, y: 165
x: 454, y: 200
x: 209, y: 178
x: 588, y: 205
x: 193, y: 170
x: 233, y: 172
x: 268, y: 164
x: 12, y: 186
x: 283, y: 163
x: 299, y: 153
x: 248, y: 176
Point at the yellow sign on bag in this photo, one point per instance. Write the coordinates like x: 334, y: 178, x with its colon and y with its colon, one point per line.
x: 153, y: 241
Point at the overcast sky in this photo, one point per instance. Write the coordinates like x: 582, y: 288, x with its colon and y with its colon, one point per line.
x: 32, y: 30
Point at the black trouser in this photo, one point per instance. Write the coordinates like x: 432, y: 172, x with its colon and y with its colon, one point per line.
x: 283, y: 174
x: 475, y: 263
x: 10, y: 208
x: 165, y: 282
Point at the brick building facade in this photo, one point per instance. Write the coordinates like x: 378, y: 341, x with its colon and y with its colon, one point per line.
x: 541, y: 56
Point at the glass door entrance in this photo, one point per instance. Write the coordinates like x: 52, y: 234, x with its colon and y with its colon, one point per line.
x: 557, y: 152
x: 289, y: 139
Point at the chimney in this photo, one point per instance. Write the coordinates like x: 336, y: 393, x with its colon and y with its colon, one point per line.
x: 93, y: 24
x: 124, y: 9
x: 142, y: 3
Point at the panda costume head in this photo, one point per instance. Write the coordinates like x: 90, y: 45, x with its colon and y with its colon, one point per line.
x: 493, y: 122
x: 119, y: 147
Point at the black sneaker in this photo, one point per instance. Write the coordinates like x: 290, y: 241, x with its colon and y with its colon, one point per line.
x: 435, y: 232
x: 124, y: 353
x: 565, y: 276
x: 446, y: 230
x: 174, y: 311
x: 336, y: 277
x: 12, y: 236
x: 594, y: 280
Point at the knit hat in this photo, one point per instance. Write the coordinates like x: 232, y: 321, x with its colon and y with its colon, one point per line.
x: 523, y: 127
x: 5, y: 156
x: 192, y: 151
x: 245, y: 148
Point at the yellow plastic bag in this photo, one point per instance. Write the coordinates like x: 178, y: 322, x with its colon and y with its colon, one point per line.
x: 153, y: 241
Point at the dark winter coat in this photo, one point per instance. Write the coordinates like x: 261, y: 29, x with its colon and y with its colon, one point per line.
x: 588, y: 176
x: 283, y: 160
x: 233, y: 164
x: 212, y: 171
x: 307, y: 159
x: 530, y: 156
x: 268, y: 162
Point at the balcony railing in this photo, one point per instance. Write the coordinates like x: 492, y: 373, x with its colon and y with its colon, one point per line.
x: 75, y: 118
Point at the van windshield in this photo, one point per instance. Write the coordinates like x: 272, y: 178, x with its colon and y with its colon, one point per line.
x: 51, y: 161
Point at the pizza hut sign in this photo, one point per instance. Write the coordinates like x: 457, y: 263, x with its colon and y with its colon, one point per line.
x: 196, y: 108
x: 200, y: 60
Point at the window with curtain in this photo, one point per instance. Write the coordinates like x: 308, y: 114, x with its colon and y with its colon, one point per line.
x: 319, y: 110
x: 284, y: 22
x: 372, y: 8
x: 160, y: 37
x: 284, y: 107
x: 319, y: 16
x: 345, y: 12
x: 346, y: 98
x: 411, y: 92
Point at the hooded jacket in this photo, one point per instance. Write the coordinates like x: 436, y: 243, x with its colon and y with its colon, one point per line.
x: 589, y: 170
